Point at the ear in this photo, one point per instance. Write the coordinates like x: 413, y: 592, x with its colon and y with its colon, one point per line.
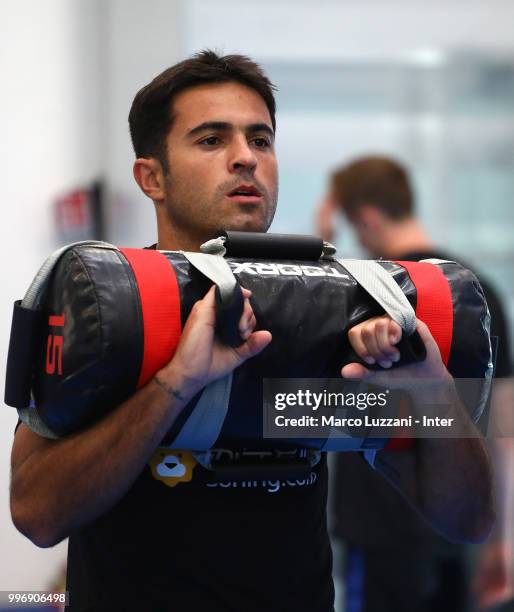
x: 149, y: 176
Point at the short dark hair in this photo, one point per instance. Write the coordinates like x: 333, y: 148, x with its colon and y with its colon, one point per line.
x: 151, y: 116
x: 380, y: 181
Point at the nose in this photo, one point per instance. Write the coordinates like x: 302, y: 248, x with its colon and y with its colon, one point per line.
x: 242, y: 156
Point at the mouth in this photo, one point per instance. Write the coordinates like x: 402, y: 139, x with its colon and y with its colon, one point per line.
x: 246, y: 194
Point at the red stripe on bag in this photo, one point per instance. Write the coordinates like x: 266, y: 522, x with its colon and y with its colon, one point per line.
x: 160, y: 305
x: 434, y: 304
x: 434, y: 307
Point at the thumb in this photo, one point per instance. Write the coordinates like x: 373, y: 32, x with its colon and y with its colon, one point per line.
x: 356, y: 370
x: 255, y: 343
x: 208, y: 303
x: 428, y: 339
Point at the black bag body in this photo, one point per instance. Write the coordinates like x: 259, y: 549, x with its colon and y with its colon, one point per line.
x: 105, y: 320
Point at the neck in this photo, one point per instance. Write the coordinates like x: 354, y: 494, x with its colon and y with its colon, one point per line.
x: 177, y: 241
x: 173, y: 238
x: 404, y: 236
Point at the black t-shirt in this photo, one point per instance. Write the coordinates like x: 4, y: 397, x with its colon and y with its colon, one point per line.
x: 367, y: 510
x: 181, y: 540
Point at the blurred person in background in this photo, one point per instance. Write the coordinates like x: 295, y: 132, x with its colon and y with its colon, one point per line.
x: 394, y: 561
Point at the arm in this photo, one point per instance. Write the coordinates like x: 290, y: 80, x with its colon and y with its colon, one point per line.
x: 447, y: 480
x: 493, y: 581
x: 59, y: 485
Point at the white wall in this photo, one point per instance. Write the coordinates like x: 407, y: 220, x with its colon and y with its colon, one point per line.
x: 49, y: 111
x: 334, y: 30
x: 143, y: 39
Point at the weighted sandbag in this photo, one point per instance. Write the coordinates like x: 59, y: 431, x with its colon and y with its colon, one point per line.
x: 106, y: 319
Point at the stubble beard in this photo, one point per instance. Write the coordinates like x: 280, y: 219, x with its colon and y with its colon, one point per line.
x: 201, y: 216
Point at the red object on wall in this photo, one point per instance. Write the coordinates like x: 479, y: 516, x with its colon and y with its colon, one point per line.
x: 78, y: 214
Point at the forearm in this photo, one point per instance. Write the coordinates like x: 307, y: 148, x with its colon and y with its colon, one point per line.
x: 502, y: 455
x: 448, y: 480
x: 71, y: 482
x: 501, y: 448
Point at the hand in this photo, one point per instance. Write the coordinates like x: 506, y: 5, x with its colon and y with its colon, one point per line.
x: 493, y: 582
x: 200, y: 358
x: 374, y: 342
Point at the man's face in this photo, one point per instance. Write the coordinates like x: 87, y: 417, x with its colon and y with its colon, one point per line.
x: 222, y: 165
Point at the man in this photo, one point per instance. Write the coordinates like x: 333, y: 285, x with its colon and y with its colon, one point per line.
x: 404, y: 564
x: 145, y: 536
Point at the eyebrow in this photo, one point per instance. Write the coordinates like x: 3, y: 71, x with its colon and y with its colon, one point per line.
x: 224, y: 126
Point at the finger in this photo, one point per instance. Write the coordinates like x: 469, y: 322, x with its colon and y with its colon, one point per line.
x: 247, y: 329
x: 247, y: 321
x: 426, y: 336
x: 395, y: 332
x: 369, y: 339
x: 247, y: 312
x: 209, y: 299
x: 357, y: 343
x: 389, y: 353
x: 355, y: 370
x: 246, y: 293
x: 203, y: 310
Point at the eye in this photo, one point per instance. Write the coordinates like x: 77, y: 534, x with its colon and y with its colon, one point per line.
x: 261, y: 142
x: 210, y: 141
